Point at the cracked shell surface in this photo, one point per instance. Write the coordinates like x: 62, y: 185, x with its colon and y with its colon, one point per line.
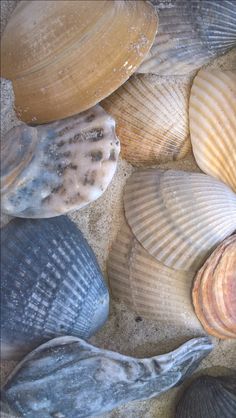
x: 214, y: 291
x: 191, y: 33
x: 59, y: 167
x: 150, y: 288
x: 208, y: 396
x: 51, y: 285
x: 151, y: 119
x: 107, y: 379
x: 212, y: 114
x: 179, y: 217
x: 63, y: 57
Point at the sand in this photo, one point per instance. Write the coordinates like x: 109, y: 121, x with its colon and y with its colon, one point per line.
x: 124, y: 331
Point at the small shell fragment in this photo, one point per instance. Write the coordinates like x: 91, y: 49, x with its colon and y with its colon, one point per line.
x: 56, y: 168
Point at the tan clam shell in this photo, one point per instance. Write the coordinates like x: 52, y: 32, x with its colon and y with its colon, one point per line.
x: 148, y: 287
x: 151, y: 114
x: 212, y: 113
x: 63, y: 57
x: 214, y: 291
x: 191, y: 33
x: 179, y: 217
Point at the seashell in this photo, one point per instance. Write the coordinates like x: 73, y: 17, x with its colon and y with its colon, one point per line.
x: 208, y: 396
x: 179, y: 217
x: 152, y: 119
x: 51, y: 284
x: 107, y: 379
x: 212, y: 114
x: 55, y: 168
x: 190, y: 34
x: 146, y: 285
x: 214, y: 291
x: 62, y: 56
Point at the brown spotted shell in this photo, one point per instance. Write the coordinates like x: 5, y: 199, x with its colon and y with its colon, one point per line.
x: 64, y: 57
x: 55, y: 168
x: 214, y: 291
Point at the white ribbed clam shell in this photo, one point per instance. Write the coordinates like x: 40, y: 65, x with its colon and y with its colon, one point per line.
x: 179, y: 217
x: 212, y: 114
x: 190, y: 34
x: 148, y: 286
x: 151, y: 116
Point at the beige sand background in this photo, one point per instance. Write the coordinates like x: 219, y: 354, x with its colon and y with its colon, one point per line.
x: 100, y: 222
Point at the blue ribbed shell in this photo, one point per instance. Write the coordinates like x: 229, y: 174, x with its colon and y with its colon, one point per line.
x: 209, y: 397
x: 51, y: 284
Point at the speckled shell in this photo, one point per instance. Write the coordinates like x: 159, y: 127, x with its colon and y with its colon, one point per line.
x: 151, y: 116
x: 51, y: 285
x: 209, y: 397
x: 55, y: 168
x: 64, y: 57
x: 212, y: 113
x: 214, y: 291
x: 190, y: 34
x: 69, y: 378
x: 179, y: 217
x: 151, y: 289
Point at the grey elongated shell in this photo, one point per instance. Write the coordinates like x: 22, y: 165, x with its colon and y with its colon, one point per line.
x: 179, y: 217
x: 51, y: 285
x: 190, y: 34
x: 68, y: 378
x: 52, y: 169
x: 209, y: 397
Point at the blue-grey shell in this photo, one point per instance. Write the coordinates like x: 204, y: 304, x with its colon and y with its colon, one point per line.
x: 68, y: 378
x: 209, y: 397
x: 51, y: 284
x: 190, y: 34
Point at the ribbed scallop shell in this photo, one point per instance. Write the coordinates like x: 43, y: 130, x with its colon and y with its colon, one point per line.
x: 53, y: 169
x: 151, y: 119
x: 190, y: 34
x: 67, y: 377
x: 179, y: 217
x: 151, y: 289
x: 63, y: 57
x: 214, y: 291
x: 209, y: 397
x: 212, y: 112
x: 51, y: 284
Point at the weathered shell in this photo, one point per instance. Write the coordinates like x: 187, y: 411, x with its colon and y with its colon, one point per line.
x: 212, y: 113
x: 69, y: 378
x: 55, y: 168
x: 214, y: 291
x: 179, y: 217
x: 190, y: 34
x: 151, y: 289
x: 209, y: 397
x: 151, y: 119
x: 65, y: 57
x: 51, y: 284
